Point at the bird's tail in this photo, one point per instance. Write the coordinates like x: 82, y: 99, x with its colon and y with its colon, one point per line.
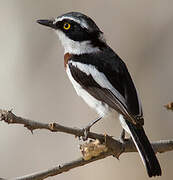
x: 145, y: 150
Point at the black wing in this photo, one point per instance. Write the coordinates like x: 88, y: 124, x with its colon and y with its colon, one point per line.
x: 118, y: 90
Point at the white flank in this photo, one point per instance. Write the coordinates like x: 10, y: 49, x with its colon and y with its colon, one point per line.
x: 75, y: 47
x: 102, y: 109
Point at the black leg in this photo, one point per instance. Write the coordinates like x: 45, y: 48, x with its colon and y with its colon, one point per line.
x: 88, y: 127
x: 122, y: 136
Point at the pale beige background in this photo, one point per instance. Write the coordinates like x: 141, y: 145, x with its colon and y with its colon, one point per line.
x: 34, y: 83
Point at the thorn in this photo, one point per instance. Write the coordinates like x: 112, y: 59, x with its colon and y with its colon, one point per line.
x: 10, y: 111
x: 29, y: 128
x: 116, y: 156
x: 169, y: 106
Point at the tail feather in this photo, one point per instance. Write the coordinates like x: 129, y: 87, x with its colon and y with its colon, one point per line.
x: 145, y: 150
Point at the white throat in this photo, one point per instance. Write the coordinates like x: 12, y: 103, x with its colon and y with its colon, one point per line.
x: 75, y: 47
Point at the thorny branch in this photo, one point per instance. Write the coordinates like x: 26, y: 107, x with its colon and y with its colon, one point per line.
x: 115, y: 147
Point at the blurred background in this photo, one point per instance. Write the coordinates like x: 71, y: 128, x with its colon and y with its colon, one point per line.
x: 35, y: 85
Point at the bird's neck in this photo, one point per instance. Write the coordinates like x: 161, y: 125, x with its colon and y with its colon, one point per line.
x: 76, y: 47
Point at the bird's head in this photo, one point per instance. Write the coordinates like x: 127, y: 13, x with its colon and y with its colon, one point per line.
x: 78, y: 33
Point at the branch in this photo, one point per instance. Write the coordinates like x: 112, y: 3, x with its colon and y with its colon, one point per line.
x: 115, y: 147
x: 61, y: 168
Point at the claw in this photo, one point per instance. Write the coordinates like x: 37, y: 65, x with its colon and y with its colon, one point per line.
x: 86, y: 130
x: 85, y: 133
x: 122, y: 136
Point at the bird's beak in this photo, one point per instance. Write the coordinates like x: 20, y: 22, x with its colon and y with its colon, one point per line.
x: 47, y: 22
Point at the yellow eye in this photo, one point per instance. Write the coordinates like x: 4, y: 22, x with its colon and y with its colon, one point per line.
x: 67, y: 26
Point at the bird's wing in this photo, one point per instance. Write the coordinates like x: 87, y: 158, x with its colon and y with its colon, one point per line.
x: 113, y: 87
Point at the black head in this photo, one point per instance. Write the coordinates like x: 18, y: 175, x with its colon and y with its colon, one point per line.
x: 77, y: 27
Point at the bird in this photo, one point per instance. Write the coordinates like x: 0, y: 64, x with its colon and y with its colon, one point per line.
x: 102, y: 79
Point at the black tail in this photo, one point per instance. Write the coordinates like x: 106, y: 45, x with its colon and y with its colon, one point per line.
x: 145, y: 150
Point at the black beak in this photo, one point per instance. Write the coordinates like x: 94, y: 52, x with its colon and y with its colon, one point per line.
x: 47, y: 22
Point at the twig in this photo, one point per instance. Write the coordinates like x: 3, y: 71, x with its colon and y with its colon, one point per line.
x: 61, y: 168
x: 115, y: 147
x: 161, y: 146
x: 10, y: 118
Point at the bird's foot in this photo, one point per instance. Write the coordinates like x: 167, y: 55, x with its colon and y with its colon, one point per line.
x: 122, y: 136
x: 86, y: 130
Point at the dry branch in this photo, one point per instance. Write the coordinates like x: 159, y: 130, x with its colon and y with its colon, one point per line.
x: 115, y: 147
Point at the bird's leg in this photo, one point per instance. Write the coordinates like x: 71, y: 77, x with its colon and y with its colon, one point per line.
x: 122, y: 136
x: 88, y: 127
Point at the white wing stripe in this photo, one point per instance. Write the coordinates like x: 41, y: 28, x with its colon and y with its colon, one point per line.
x: 101, y: 108
x: 100, y: 78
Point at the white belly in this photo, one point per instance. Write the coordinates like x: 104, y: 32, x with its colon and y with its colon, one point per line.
x: 101, y: 108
